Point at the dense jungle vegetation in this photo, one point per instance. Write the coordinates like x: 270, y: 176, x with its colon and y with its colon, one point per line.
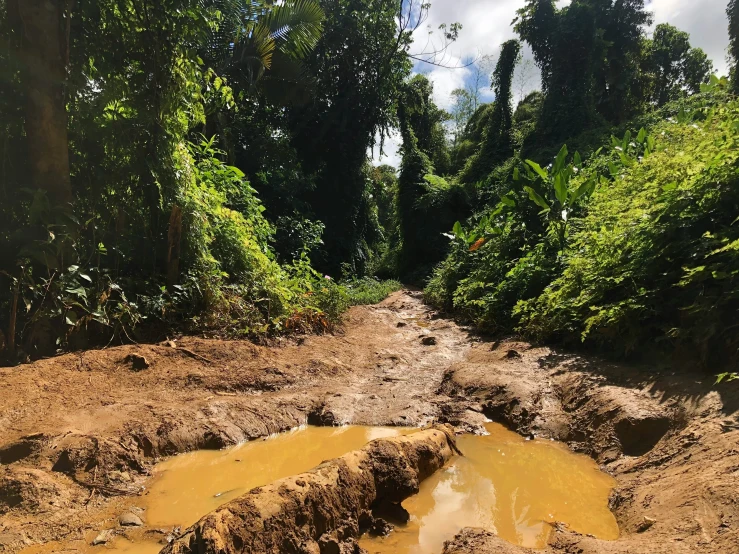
x: 205, y: 166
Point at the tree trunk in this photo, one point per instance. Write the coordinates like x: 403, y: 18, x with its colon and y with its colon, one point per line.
x: 174, y: 237
x: 39, y: 28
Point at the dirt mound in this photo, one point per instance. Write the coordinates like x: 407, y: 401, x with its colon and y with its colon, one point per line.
x: 325, y: 510
x: 478, y: 540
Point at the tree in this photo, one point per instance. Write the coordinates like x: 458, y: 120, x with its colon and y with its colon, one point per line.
x: 621, y: 24
x: 497, y: 144
x: 359, y: 64
x: 732, y: 11
x: 461, y: 112
x: 677, y: 67
x: 427, y: 121
x: 40, y: 30
x: 263, y: 43
x: 525, y: 74
x: 414, y: 167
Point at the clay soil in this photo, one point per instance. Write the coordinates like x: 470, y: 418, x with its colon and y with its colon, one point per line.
x: 79, y: 433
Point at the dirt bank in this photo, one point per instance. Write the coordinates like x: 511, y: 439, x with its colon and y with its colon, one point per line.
x: 79, y: 433
x: 326, y: 509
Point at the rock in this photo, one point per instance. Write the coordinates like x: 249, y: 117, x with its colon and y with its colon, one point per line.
x: 380, y: 527
x: 130, y: 520
x: 511, y: 355
x: 646, y: 523
x: 428, y: 341
x: 103, y: 537
x: 137, y: 362
x: 401, y: 324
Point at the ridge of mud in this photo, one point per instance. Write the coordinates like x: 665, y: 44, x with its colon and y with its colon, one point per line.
x: 324, y: 510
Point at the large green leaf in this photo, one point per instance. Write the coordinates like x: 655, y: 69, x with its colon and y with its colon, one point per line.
x: 539, y: 170
x: 537, y: 199
x: 559, y: 161
x: 560, y: 188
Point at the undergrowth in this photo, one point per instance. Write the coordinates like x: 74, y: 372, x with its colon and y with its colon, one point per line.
x: 635, y: 248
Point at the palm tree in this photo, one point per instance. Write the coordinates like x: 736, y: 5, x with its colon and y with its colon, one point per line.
x: 261, y: 43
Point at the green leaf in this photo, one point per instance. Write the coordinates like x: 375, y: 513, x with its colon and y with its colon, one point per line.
x: 508, y: 201
x: 585, y: 189
x: 458, y: 231
x: 577, y: 161
x: 559, y: 161
x: 560, y: 188
x: 539, y: 170
x: 71, y: 318
x: 240, y: 174
x: 627, y: 140
x: 537, y: 199
x: 641, y: 136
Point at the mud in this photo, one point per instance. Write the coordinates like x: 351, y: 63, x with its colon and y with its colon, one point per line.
x: 80, y: 433
x: 325, y: 510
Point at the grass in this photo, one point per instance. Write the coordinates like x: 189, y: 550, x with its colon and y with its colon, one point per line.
x: 369, y: 290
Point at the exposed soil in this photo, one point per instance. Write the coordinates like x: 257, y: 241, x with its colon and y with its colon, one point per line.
x: 79, y: 433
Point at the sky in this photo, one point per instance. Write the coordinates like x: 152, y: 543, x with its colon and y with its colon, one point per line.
x: 486, y: 24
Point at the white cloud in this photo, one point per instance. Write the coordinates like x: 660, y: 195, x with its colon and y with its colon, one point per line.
x: 390, y: 156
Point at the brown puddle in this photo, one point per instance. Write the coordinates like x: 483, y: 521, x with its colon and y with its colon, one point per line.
x: 188, y: 486
x: 504, y: 483
x: 509, y: 486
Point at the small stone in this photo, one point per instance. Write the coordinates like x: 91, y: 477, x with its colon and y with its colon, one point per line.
x: 646, y: 523
x: 380, y: 527
x: 511, y: 354
x: 428, y: 341
x: 103, y: 537
x: 402, y: 324
x: 137, y: 362
x: 130, y: 520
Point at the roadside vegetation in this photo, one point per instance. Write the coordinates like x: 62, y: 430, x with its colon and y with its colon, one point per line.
x: 205, y: 166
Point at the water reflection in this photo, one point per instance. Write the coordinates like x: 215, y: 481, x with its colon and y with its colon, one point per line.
x: 509, y: 486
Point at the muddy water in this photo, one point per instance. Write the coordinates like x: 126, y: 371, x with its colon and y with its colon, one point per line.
x: 507, y: 485
x: 189, y: 486
x: 504, y: 483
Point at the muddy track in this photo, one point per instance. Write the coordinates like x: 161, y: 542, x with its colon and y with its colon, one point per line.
x: 80, y: 432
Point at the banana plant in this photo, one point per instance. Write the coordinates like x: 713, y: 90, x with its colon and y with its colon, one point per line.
x: 559, y: 191
x: 631, y: 151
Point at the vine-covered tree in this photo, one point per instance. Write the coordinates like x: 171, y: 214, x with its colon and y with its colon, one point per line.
x: 497, y: 142
x: 359, y: 64
x: 732, y: 11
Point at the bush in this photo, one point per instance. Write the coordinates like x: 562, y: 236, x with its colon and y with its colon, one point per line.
x: 657, y: 255
x: 369, y: 290
x: 651, y: 258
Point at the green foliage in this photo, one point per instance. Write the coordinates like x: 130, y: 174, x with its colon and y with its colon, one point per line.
x: 646, y: 255
x: 677, y: 67
x: 732, y: 11
x: 360, y: 65
x: 497, y: 142
x: 368, y: 290
x: 655, y: 254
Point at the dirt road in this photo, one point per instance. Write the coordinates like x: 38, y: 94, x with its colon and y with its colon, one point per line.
x: 79, y: 433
